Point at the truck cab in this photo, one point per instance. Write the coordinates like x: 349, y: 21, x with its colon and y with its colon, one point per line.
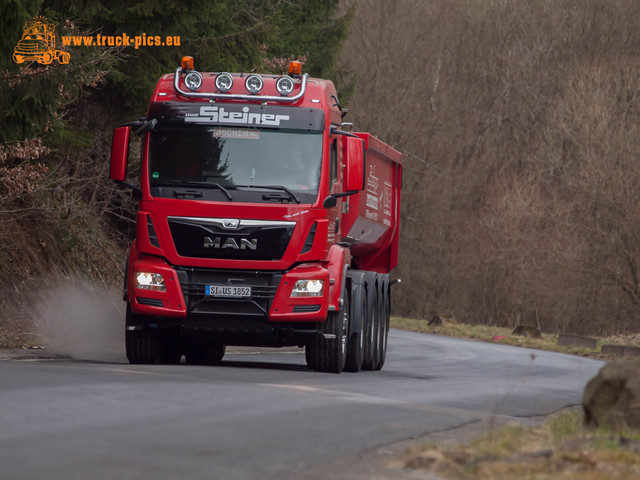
x: 250, y: 228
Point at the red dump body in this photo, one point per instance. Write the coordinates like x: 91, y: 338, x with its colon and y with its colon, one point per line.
x: 372, y: 223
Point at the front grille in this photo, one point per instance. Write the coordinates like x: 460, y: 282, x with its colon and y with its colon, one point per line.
x: 230, y: 238
x: 263, y: 290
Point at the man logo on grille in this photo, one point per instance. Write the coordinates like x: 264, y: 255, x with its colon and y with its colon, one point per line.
x: 230, y: 223
x: 231, y: 243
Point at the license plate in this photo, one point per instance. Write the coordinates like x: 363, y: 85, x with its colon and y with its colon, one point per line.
x: 227, y: 291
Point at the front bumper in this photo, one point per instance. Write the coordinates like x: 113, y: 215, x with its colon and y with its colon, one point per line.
x: 271, y: 297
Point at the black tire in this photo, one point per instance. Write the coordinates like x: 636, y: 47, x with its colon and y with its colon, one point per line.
x: 205, y: 354
x: 332, y: 352
x: 171, y: 353
x: 311, y: 355
x: 367, y: 354
x: 355, y: 344
x: 372, y: 342
x: 142, y: 345
x: 384, y: 323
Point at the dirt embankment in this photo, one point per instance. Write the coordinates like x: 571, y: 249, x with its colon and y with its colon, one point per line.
x: 57, y: 281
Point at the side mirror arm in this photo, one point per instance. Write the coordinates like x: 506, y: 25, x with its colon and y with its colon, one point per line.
x: 335, y: 130
x: 331, y: 200
x: 135, y: 190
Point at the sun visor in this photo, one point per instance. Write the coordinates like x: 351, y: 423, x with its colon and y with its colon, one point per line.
x: 238, y: 115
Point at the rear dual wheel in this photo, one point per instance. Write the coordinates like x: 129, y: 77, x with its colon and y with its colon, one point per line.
x: 377, y: 323
x: 372, y: 351
x: 356, y: 342
x: 384, y: 323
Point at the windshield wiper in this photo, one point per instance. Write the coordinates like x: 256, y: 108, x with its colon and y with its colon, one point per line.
x: 272, y: 187
x: 186, y: 183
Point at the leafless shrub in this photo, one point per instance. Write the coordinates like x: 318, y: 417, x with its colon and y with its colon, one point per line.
x: 520, y: 120
x: 281, y: 64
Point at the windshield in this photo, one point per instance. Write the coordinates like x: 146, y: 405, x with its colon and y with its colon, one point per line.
x: 235, y: 158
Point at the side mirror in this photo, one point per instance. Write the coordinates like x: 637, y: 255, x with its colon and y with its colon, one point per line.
x: 146, y: 127
x: 119, y: 154
x: 330, y: 202
x: 353, y: 155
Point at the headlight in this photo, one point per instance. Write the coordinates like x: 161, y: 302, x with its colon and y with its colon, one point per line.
x: 224, y: 82
x: 193, y: 81
x: 308, y: 288
x: 253, y: 83
x: 284, y: 85
x: 150, y: 281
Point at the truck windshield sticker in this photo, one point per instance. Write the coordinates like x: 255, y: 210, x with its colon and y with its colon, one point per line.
x: 237, y: 133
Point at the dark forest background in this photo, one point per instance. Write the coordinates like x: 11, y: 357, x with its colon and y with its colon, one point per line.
x: 520, y: 121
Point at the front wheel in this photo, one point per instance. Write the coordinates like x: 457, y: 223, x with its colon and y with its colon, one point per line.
x: 311, y: 355
x: 331, y: 352
x: 142, y: 345
x: 146, y: 345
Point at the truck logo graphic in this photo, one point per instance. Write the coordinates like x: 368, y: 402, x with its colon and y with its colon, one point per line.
x: 38, y: 43
x: 230, y: 222
x: 244, y: 117
x: 245, y: 243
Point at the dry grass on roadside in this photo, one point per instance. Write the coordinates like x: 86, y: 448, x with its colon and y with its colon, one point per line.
x: 505, y: 336
x: 561, y: 448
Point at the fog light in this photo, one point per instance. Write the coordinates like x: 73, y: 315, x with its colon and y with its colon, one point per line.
x: 150, y: 281
x: 284, y: 85
x: 193, y: 81
x: 224, y: 82
x: 253, y: 83
x: 308, y: 288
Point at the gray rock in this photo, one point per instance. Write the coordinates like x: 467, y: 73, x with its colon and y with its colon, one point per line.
x: 612, y: 398
x: 568, y: 339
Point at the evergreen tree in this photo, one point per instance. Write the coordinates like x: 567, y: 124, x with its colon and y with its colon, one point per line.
x: 222, y: 35
x: 312, y: 29
x: 35, y: 97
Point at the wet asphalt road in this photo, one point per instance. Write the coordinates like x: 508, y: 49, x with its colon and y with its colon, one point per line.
x: 262, y: 415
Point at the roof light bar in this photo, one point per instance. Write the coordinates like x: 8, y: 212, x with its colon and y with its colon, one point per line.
x: 234, y: 96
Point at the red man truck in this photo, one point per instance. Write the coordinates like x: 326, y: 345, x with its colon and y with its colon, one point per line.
x: 263, y: 220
